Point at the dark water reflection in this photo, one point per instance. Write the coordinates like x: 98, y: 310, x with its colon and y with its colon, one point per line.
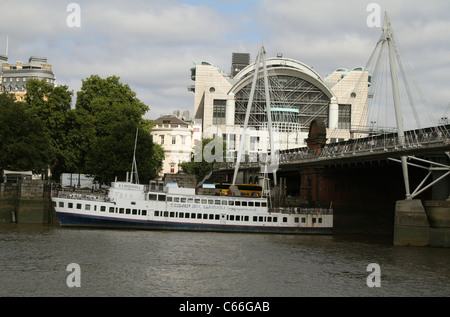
x: 34, y: 258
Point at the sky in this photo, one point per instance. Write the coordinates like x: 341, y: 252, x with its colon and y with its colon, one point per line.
x: 152, y: 45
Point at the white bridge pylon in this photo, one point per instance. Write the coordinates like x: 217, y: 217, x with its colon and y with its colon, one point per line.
x: 261, y: 58
x: 388, y: 38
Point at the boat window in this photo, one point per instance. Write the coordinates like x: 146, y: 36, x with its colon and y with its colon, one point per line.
x: 111, y: 209
x: 144, y: 212
x: 183, y: 199
x: 151, y: 196
x: 255, y: 218
x: 128, y: 211
x: 237, y: 203
x: 275, y: 219
x: 217, y: 217
x: 197, y: 200
x: 133, y: 203
x: 296, y: 219
x: 261, y: 219
x: 199, y: 216
x: 250, y: 203
x: 70, y: 205
x: 210, y: 201
x: 231, y: 217
x: 284, y: 219
x: 102, y: 208
x: 181, y: 214
x: 264, y: 204
x: 211, y: 216
x: 217, y: 202
x: 156, y: 213
x: 161, y: 197
x: 231, y: 203
x: 61, y: 204
x: 134, y: 212
x: 172, y: 214
x: 257, y: 204
x: 269, y: 219
x: 176, y: 199
x: 303, y: 220
x: 87, y: 207
x: 204, y: 201
x: 166, y: 214
x: 169, y: 198
x: 320, y: 220
x: 224, y: 202
x: 314, y: 220
x: 121, y: 210
x: 192, y: 215
x: 246, y: 218
x: 186, y: 215
x: 244, y: 203
x: 78, y: 206
x: 190, y: 200
x: 205, y: 216
x: 238, y: 218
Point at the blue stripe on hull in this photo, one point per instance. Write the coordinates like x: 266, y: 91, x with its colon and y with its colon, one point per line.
x: 77, y: 220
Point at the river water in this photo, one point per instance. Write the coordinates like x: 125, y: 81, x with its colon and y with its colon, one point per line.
x: 34, y: 261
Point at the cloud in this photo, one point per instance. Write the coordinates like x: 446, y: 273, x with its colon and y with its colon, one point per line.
x: 151, y: 45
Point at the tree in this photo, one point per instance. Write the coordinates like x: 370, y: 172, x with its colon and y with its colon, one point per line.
x: 52, y: 105
x: 24, y: 145
x: 109, y: 102
x: 205, y: 154
x: 115, y: 113
x: 112, y: 155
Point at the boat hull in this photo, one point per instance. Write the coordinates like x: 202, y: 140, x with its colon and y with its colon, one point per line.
x: 90, y: 221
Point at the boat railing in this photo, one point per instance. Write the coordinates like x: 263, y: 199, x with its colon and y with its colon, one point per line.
x: 300, y: 210
x: 82, y: 196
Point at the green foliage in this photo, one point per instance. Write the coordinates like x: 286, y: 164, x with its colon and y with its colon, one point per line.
x: 24, y: 145
x: 96, y: 137
x: 52, y: 106
x: 113, y: 110
x: 205, y: 154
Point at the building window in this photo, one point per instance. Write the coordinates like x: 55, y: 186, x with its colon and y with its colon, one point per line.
x: 174, y: 139
x: 219, y: 111
x: 162, y: 139
x: 254, y: 141
x: 344, y: 117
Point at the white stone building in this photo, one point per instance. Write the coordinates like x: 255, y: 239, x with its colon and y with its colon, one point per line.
x: 298, y: 96
x: 176, y: 137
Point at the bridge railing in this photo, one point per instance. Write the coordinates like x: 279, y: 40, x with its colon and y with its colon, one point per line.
x: 378, y: 142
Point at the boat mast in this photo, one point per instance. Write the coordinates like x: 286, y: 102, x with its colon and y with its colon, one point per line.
x: 134, y: 165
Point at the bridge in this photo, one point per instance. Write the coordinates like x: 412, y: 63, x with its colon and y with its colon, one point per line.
x: 319, y: 171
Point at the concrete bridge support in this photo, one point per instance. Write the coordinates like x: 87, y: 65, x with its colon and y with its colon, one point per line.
x: 411, y: 226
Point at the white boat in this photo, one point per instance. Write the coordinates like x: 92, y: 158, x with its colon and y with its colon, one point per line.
x: 134, y: 206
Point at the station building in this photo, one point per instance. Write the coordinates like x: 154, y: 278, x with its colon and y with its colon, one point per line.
x: 298, y: 96
x: 13, y: 77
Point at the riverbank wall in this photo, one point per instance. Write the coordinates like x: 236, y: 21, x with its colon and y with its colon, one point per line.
x: 27, y: 201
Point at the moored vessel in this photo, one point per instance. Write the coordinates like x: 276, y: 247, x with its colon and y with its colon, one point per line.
x: 155, y: 206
